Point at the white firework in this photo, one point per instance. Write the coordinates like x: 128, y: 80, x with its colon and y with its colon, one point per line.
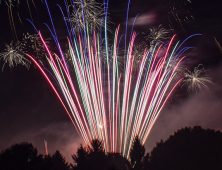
x: 138, y: 52
x: 196, y: 79
x: 87, y: 11
x: 31, y: 43
x: 157, y: 35
x: 14, y: 55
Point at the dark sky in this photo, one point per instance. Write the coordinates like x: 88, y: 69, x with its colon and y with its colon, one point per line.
x: 30, y: 111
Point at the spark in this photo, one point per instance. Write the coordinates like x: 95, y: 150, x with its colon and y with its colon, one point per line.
x: 31, y: 43
x: 10, y: 2
x: 86, y: 11
x: 14, y: 55
x: 138, y: 52
x: 197, y: 79
x: 180, y: 14
x: 218, y: 45
x: 100, y: 126
x: 157, y: 35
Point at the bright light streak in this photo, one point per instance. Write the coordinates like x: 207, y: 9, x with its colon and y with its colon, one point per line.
x: 108, y: 105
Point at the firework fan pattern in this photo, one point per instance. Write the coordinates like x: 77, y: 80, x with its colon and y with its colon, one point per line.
x: 101, y: 101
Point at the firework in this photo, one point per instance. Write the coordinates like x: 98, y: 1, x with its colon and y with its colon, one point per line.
x: 10, y: 6
x: 14, y: 55
x: 181, y: 14
x: 197, y: 79
x: 218, y: 45
x: 129, y: 114
x: 157, y: 35
x: 86, y: 11
x: 138, y: 52
x: 46, y: 148
x: 9, y: 2
x: 31, y: 43
x: 106, y: 104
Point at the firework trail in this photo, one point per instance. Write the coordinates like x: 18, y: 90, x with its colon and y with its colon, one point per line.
x: 218, y: 45
x: 181, y: 14
x: 105, y: 104
x: 9, y: 2
x: 31, y: 43
x: 46, y: 148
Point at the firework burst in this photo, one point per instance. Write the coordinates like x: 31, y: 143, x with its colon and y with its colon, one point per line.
x: 14, y: 55
x: 197, y: 79
x: 86, y: 11
x: 106, y: 104
x: 138, y: 52
x: 157, y: 35
x: 31, y: 43
x: 130, y: 113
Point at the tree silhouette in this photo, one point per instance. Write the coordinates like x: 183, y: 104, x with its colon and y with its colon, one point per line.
x: 80, y: 159
x: 136, y: 154
x: 47, y: 163
x: 24, y: 156
x: 20, y: 157
x: 189, y: 148
x: 59, y: 162
x: 93, y: 158
x: 97, y: 158
x: 145, y: 164
x: 117, y: 162
x: 97, y: 147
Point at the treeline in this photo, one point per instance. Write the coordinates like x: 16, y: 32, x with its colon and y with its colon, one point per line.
x: 188, y: 149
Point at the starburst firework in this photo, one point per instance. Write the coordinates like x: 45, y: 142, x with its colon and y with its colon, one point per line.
x: 86, y: 11
x: 32, y: 44
x: 14, y: 55
x: 138, y: 52
x: 157, y: 34
x: 197, y: 79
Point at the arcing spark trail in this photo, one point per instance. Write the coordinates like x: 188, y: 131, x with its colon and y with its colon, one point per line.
x: 108, y: 105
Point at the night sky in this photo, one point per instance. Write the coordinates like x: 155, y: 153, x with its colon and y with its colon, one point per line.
x: 30, y: 111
